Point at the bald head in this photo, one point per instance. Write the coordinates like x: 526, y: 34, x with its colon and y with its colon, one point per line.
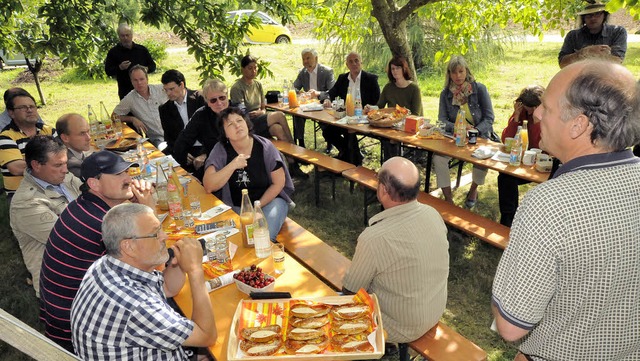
x: 74, y: 132
x: 401, y: 180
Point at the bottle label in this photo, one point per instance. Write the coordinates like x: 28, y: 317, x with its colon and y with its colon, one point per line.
x: 249, y: 231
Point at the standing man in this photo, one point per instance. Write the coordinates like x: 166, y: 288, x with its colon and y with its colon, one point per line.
x: 594, y: 38
x: 403, y: 256
x: 121, y: 310
x: 45, y: 191
x: 355, y: 79
x: 569, y: 279
x: 143, y: 102
x: 177, y: 111
x: 76, y: 239
x: 125, y: 55
x: 24, y: 125
x: 73, y: 130
x: 314, y: 78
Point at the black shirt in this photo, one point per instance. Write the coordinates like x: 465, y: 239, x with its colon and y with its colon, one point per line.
x: 138, y: 54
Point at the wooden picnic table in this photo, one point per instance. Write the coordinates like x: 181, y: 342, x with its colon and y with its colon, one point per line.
x: 444, y: 147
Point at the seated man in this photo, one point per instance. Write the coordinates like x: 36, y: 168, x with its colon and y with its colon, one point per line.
x: 5, y: 119
x: 24, y: 125
x: 355, y: 79
x: 403, y: 256
x: 75, y: 241
x: 121, y: 310
x: 177, y: 111
x: 73, y: 130
x: 143, y: 102
x: 45, y: 191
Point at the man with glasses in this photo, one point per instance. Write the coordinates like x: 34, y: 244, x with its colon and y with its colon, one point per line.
x: 76, y: 239
x: 5, y: 119
x: 178, y: 110
x: 143, y: 103
x: 595, y: 38
x: 45, y: 191
x: 24, y: 125
x: 121, y: 310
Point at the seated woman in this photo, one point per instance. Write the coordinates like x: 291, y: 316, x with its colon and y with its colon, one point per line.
x: 249, y: 92
x: 242, y: 160
x: 402, y: 91
x: 528, y: 100
x: 461, y: 91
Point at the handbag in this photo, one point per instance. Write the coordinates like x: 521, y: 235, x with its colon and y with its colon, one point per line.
x: 272, y: 96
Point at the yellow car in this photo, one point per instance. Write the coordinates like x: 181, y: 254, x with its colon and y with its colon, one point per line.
x: 270, y: 31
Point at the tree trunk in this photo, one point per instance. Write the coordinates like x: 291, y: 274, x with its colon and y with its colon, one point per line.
x: 35, y: 69
x: 393, y: 23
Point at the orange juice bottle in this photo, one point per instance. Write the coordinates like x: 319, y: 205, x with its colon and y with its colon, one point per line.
x: 524, y: 136
x: 246, y: 220
x: 293, y: 98
x: 351, y: 109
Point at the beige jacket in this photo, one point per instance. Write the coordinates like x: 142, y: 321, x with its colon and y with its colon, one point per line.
x: 33, y: 213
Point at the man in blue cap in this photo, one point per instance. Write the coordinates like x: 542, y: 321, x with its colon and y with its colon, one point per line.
x: 76, y: 239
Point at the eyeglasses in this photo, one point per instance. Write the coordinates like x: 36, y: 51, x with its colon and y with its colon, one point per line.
x: 215, y: 100
x: 593, y: 15
x: 25, y: 107
x: 154, y: 235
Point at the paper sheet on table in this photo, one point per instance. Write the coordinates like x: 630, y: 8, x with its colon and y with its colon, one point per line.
x: 353, y: 120
x: 501, y: 157
x: 311, y: 107
x: 217, y: 210
x: 483, y: 152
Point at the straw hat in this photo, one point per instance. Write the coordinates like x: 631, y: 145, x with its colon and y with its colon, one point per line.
x: 594, y: 7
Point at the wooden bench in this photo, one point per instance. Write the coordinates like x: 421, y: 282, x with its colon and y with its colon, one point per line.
x: 29, y: 341
x: 320, y: 258
x: 320, y: 162
x: 441, y: 343
x: 471, y: 223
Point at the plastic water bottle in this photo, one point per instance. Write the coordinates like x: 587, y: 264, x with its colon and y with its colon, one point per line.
x: 260, y: 232
x: 285, y: 93
x: 516, y: 150
x: 357, y: 106
x: 460, y: 129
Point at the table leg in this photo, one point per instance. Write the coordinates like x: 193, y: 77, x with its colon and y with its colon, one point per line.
x: 427, y: 171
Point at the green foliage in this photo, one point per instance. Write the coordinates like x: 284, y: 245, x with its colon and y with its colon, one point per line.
x: 157, y: 50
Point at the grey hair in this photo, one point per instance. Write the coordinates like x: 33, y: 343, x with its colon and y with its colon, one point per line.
x: 213, y: 85
x: 121, y: 222
x: 454, y: 63
x: 123, y: 26
x: 609, y: 100
x: 309, y: 50
x: 346, y: 58
x: 398, y: 191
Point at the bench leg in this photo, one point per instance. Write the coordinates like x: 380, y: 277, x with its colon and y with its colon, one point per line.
x: 427, y: 171
x: 403, y: 351
x: 460, y: 164
x: 316, y: 184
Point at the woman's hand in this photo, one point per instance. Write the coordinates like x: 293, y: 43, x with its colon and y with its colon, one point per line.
x: 240, y: 161
x: 518, y: 107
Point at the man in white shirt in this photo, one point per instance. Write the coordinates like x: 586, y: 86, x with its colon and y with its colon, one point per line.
x: 143, y: 102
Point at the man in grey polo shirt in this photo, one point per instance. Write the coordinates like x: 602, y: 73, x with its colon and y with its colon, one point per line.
x: 403, y: 256
x: 570, y: 278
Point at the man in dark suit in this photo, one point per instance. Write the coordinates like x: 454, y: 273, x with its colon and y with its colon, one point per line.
x: 367, y: 84
x: 314, y: 78
x: 177, y: 111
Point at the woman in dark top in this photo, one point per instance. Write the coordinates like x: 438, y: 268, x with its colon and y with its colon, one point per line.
x: 241, y: 160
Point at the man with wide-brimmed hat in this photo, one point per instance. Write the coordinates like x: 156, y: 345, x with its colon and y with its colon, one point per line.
x: 594, y: 38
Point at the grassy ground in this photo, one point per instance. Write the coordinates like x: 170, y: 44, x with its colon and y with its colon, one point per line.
x: 337, y: 222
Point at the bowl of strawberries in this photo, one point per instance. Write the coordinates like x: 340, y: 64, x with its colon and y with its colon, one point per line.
x: 252, y: 279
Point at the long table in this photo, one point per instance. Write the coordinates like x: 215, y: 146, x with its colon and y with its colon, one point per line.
x: 296, y: 279
x: 445, y: 147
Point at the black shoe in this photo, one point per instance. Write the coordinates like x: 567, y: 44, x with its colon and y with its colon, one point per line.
x: 329, y: 148
x: 296, y: 172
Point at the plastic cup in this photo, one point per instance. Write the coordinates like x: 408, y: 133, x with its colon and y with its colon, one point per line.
x: 277, y: 254
x: 194, y: 203
x: 508, y: 144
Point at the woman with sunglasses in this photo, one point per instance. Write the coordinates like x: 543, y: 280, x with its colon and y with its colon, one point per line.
x: 202, y: 126
x: 241, y: 160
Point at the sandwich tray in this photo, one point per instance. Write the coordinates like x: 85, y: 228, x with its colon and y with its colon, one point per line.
x: 235, y: 354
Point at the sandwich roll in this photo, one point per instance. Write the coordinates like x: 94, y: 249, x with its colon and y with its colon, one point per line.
x: 261, y: 334
x: 351, y: 343
x: 307, y: 311
x: 269, y: 348
x: 351, y: 311
x: 312, y: 322
x: 302, y: 334
x: 351, y: 327
x: 312, y: 346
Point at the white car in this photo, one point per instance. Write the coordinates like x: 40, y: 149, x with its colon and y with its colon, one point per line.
x: 270, y: 31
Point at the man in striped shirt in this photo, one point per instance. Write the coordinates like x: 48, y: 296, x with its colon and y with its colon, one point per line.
x: 22, y: 109
x: 76, y: 239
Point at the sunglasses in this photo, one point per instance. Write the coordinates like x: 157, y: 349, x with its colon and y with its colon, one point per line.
x: 215, y: 100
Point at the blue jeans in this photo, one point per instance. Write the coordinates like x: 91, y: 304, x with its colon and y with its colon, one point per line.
x: 275, y: 212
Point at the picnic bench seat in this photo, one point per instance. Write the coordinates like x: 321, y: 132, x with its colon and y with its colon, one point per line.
x: 321, y: 162
x: 441, y: 343
x: 471, y: 223
x: 29, y: 341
